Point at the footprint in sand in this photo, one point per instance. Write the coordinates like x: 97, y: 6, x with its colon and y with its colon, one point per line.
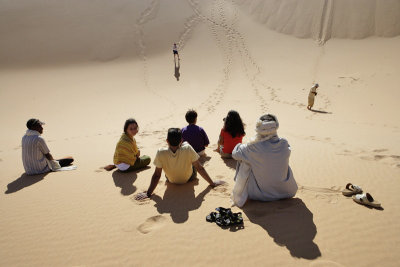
x: 151, y: 224
x: 380, y: 150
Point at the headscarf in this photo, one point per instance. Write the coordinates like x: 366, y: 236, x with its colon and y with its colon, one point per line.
x: 265, y: 130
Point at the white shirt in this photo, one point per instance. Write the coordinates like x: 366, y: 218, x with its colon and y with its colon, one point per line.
x: 34, y: 149
x: 271, y: 177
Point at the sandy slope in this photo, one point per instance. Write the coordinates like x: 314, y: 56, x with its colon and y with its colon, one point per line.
x: 120, y: 65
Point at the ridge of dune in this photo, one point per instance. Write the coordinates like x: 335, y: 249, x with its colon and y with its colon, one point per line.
x: 326, y: 19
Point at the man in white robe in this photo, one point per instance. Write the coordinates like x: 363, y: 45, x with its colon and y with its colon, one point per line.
x: 263, y: 171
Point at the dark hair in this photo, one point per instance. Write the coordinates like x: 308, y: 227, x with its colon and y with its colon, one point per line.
x: 174, y: 136
x: 191, y: 116
x: 233, y: 124
x: 129, y: 122
x: 267, y: 117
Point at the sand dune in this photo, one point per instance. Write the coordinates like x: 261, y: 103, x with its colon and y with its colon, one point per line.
x: 326, y: 19
x: 85, y: 66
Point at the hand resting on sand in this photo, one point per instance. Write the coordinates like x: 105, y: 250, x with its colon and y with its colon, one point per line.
x: 218, y: 182
x: 141, y: 196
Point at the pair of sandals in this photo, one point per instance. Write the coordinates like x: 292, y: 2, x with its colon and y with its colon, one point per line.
x: 357, y: 193
x: 225, y: 217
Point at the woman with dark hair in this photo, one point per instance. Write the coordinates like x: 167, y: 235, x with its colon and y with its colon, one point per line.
x: 127, y: 155
x: 231, y: 134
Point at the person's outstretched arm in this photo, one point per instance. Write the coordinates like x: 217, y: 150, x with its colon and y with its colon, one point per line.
x: 153, y: 184
x: 200, y: 169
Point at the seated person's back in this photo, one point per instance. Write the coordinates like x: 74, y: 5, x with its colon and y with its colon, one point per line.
x: 269, y: 161
x: 193, y: 134
x: 271, y: 178
x: 177, y: 166
x: 34, y: 149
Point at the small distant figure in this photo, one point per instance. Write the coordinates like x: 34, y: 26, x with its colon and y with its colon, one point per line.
x: 195, y: 135
x: 312, y: 95
x: 231, y: 134
x: 180, y: 163
x: 36, y: 155
x: 175, y: 50
x: 177, y: 67
x: 127, y: 155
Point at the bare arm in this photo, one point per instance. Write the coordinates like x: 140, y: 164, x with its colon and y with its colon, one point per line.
x: 200, y: 169
x: 154, y: 181
x: 220, y: 142
x: 153, y: 184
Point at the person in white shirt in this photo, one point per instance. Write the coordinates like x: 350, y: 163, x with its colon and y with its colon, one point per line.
x: 36, y: 155
x: 263, y: 172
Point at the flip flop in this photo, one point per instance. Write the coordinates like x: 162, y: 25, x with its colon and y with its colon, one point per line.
x: 237, y: 218
x: 352, y: 189
x: 211, y: 217
x: 223, y: 221
x: 366, y: 199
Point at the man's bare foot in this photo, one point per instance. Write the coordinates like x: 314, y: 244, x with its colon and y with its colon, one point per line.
x: 109, y: 167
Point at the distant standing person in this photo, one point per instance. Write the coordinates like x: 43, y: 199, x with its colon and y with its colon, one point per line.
x: 36, y: 155
x: 195, y: 135
x: 127, y: 155
x: 231, y: 134
x: 311, y: 96
x: 175, y: 51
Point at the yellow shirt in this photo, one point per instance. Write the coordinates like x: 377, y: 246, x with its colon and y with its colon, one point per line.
x: 177, y: 166
x: 126, y: 150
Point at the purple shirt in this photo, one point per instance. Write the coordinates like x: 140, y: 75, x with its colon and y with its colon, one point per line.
x: 195, y: 136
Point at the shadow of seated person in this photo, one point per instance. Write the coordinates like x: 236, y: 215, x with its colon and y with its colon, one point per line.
x: 179, y: 200
x: 24, y: 181
x: 125, y: 180
x: 231, y: 163
x: 289, y: 222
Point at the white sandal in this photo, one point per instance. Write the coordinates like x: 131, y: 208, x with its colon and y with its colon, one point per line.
x: 366, y: 199
x: 352, y: 189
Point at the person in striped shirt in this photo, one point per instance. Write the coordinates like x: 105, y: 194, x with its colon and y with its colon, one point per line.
x: 36, y: 156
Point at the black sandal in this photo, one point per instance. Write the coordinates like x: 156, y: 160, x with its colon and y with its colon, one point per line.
x: 211, y: 217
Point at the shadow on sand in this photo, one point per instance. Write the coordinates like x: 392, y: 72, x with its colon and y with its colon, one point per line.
x: 177, y: 68
x: 204, y: 159
x: 125, y: 181
x: 289, y: 222
x: 178, y: 200
x: 320, y: 111
x: 231, y: 163
x: 24, y: 181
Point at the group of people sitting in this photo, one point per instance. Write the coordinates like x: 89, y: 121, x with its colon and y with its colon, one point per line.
x: 262, y: 172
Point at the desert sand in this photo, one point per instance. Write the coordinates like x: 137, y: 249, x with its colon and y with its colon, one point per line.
x: 84, y: 67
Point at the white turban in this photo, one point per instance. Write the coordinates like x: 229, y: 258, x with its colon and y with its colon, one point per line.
x: 265, y: 130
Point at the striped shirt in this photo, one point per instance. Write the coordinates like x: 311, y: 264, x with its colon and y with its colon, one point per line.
x: 34, y: 149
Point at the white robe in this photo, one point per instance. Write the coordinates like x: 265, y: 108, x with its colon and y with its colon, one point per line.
x: 263, y: 171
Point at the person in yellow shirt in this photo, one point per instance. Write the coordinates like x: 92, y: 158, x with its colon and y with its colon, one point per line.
x: 127, y: 155
x: 180, y: 163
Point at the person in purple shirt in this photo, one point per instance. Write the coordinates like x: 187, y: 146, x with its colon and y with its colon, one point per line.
x: 195, y: 135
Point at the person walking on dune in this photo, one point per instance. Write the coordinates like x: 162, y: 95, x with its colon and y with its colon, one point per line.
x: 175, y: 51
x: 312, y: 95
